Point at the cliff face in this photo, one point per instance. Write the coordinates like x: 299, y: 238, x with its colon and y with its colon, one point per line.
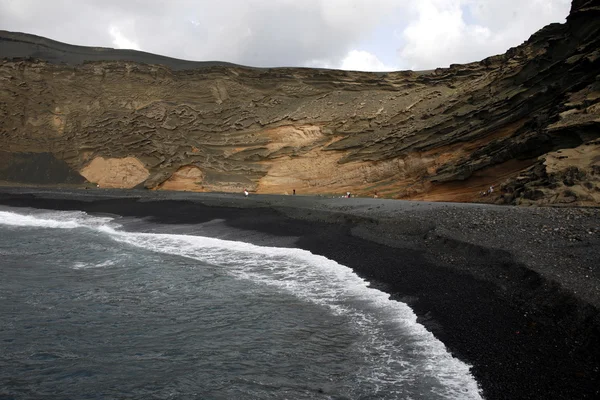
x: 527, y: 122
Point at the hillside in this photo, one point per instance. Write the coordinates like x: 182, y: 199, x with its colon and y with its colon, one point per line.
x: 527, y: 122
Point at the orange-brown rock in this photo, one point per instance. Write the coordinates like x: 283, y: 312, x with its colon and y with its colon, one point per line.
x: 124, y: 173
x: 187, y: 178
x: 447, y: 134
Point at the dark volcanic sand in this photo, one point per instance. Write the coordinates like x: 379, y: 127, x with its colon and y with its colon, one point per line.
x: 513, y: 291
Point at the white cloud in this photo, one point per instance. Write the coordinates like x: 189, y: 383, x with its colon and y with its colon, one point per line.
x: 440, y: 33
x: 360, y: 60
x: 120, y: 41
x: 439, y: 36
x: 355, y: 60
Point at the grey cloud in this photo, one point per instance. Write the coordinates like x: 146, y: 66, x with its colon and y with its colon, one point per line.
x: 267, y: 32
x: 252, y: 32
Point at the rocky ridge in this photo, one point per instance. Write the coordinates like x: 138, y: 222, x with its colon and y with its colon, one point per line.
x: 527, y: 122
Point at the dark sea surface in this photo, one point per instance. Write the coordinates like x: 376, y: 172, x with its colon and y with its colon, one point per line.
x: 89, y: 310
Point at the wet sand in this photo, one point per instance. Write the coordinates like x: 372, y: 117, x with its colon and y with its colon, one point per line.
x: 514, y: 292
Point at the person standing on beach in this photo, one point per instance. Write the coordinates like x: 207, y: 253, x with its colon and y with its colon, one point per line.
x: 294, y: 192
x: 246, y: 192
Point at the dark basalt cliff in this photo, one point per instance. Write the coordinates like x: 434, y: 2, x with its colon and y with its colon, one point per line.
x: 527, y: 122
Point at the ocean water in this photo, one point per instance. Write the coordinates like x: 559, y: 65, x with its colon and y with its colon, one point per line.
x: 89, y: 310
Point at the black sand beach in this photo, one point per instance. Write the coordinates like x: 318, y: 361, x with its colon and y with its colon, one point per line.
x: 514, y: 292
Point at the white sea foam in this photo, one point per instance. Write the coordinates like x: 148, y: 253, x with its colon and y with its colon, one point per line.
x: 83, y: 265
x: 8, y: 218
x: 56, y: 220
x: 314, y: 279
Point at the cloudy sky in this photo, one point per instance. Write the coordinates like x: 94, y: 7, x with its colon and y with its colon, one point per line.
x: 368, y: 35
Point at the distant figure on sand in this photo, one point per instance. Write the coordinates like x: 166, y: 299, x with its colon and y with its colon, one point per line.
x: 375, y: 195
x: 348, y: 195
x: 488, y: 192
x: 294, y: 192
x: 245, y: 192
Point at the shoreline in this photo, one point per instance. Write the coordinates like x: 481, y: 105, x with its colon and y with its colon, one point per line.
x: 514, y: 292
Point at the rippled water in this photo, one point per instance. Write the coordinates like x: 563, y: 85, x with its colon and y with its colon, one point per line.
x: 88, y: 310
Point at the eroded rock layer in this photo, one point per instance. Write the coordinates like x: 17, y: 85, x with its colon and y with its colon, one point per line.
x: 125, y: 172
x: 526, y: 122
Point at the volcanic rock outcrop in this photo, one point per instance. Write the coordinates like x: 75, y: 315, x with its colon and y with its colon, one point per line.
x: 527, y: 122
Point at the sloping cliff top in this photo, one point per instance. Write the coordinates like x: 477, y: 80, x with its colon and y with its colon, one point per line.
x: 24, y: 45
